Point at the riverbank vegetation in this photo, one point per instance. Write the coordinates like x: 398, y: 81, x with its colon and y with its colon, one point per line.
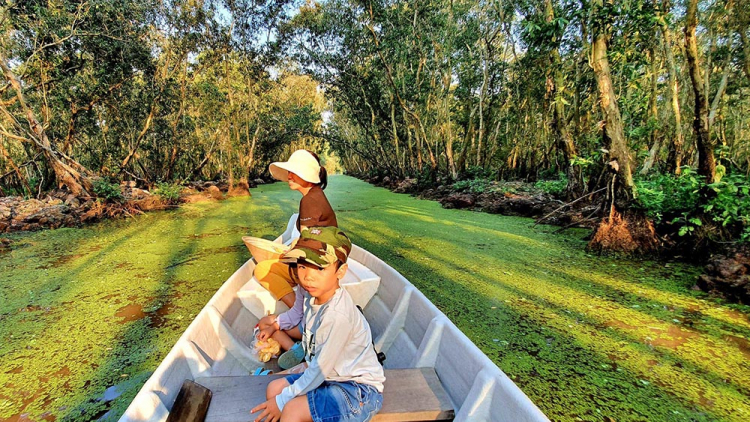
x: 615, y: 100
x: 601, y: 94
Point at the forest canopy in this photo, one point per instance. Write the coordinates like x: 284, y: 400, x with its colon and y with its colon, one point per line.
x: 631, y: 96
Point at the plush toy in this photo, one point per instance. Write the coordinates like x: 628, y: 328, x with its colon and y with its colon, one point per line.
x: 267, y: 349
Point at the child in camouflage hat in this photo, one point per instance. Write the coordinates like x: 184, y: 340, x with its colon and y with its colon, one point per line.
x: 343, y: 371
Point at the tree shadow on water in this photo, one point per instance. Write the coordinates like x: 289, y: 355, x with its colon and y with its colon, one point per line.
x: 549, y: 347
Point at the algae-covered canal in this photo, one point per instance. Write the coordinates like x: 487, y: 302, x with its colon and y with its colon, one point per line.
x: 586, y: 338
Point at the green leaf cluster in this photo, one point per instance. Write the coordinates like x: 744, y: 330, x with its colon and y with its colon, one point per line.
x: 108, y: 191
x: 475, y: 186
x: 553, y: 187
x: 168, y: 192
x: 730, y: 207
x: 673, y: 199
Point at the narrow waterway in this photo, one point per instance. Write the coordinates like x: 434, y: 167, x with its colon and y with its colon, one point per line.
x: 87, y: 314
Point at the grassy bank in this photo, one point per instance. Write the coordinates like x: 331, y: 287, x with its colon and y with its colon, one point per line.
x: 585, y: 337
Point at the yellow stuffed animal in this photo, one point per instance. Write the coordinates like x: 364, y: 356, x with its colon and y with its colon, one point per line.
x: 267, y: 349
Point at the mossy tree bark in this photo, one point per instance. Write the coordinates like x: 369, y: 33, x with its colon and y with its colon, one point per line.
x: 628, y: 232
x: 705, y: 146
x: 674, y: 160
x: 653, y: 113
x: 556, y: 82
x: 67, y: 171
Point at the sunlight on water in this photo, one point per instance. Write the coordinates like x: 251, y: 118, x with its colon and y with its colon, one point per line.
x: 84, y: 310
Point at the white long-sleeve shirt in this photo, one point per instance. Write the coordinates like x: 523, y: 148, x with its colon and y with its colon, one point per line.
x: 338, y: 347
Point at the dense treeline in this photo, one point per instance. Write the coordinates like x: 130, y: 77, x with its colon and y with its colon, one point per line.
x: 599, y: 92
x: 514, y: 86
x: 604, y: 96
x: 144, y: 90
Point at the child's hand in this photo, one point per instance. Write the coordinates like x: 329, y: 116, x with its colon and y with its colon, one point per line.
x: 267, y: 321
x: 265, y: 333
x: 271, y: 412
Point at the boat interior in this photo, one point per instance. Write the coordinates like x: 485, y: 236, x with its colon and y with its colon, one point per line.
x: 406, y: 326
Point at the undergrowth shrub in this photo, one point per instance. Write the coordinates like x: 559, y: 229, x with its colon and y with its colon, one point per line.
x: 476, y: 172
x: 426, y: 179
x: 475, y: 186
x: 553, y: 187
x: 168, y: 192
x: 688, y: 203
x: 731, y: 206
x: 109, y: 191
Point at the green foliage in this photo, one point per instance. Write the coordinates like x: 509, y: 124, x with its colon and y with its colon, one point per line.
x: 477, y: 172
x: 106, y: 190
x: 668, y: 195
x: 553, y: 187
x: 585, y: 162
x: 731, y: 205
x: 688, y: 202
x: 475, y: 186
x: 168, y: 192
x: 538, y: 306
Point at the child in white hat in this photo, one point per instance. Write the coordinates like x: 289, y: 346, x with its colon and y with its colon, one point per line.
x: 304, y: 174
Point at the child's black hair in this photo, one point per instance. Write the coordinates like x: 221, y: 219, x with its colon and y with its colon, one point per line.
x: 294, y: 275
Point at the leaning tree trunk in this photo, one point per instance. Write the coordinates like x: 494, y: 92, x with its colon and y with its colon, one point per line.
x: 621, y: 229
x: 746, y: 52
x: 706, y: 161
x: 67, y: 171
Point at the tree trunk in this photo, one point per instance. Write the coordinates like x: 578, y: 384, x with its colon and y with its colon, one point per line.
x: 140, y: 137
x: 622, y: 229
x: 745, y: 50
x: 653, y: 114
x: 15, y: 168
x: 482, y: 94
x: 468, y: 135
x: 67, y: 171
x: 176, y: 140
x: 719, y: 92
x: 394, y: 128
x: 706, y: 161
x: 562, y: 137
x: 251, y: 153
x: 613, y: 132
x: 674, y: 160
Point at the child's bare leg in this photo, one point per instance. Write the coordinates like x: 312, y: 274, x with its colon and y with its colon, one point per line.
x: 274, y: 387
x: 287, y: 338
x: 288, y: 299
x: 297, y: 410
x: 284, y: 340
x: 294, y: 333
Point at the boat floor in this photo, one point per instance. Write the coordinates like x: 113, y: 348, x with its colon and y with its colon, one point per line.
x: 410, y: 395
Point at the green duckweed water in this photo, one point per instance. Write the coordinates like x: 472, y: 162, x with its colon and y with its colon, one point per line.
x: 586, y: 338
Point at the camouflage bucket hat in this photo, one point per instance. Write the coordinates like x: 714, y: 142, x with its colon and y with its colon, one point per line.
x: 320, y: 246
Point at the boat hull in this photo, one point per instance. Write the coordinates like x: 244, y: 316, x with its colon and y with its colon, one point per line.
x: 405, y: 324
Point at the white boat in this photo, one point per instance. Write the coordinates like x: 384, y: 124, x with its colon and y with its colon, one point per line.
x: 411, y: 331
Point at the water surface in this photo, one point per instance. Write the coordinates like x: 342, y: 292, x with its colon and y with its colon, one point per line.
x: 585, y: 337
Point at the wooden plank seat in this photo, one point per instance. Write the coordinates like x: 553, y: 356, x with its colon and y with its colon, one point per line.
x: 410, y: 395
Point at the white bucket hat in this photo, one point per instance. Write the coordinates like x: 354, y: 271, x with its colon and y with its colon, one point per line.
x: 301, y: 163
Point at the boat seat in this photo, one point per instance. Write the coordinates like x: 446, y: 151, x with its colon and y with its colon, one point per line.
x: 291, y: 231
x: 410, y: 395
x: 359, y: 281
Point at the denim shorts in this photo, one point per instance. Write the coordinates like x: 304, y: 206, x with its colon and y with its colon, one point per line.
x: 342, y: 401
